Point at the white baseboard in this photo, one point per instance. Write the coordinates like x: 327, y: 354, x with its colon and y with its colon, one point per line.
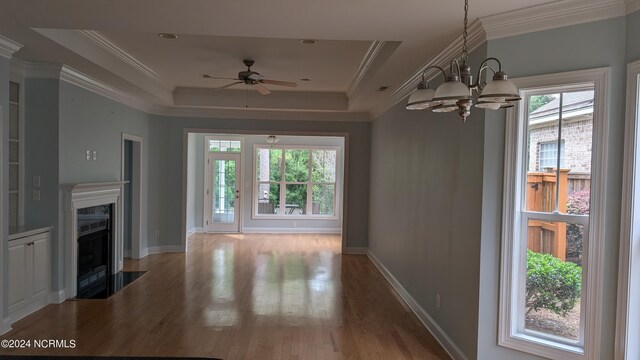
x: 253, y: 230
x: 20, y: 313
x: 449, y: 346
x: 195, y: 230
x: 356, y: 251
x: 57, y: 297
x: 5, y: 326
x: 127, y: 253
x: 164, y: 249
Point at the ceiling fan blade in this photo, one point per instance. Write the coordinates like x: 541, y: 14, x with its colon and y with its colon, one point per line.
x: 279, y: 83
x: 228, y: 85
x: 261, y: 89
x: 207, y: 76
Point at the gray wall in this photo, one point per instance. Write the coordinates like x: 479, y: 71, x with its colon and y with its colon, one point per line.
x: 41, y: 124
x: 167, y: 138
x: 426, y: 198
x: 4, y: 132
x: 576, y: 47
x: 197, y: 143
x: 633, y: 29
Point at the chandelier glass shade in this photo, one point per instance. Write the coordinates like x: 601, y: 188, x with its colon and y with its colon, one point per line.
x: 456, y: 93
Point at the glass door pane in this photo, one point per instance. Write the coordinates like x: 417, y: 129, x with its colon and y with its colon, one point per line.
x: 224, y: 191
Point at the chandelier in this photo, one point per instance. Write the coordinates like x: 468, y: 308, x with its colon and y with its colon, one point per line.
x: 457, y: 91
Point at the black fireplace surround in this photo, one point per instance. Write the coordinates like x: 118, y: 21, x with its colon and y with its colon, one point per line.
x: 95, y: 250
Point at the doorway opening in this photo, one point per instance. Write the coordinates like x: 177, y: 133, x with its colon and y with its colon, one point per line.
x: 131, y: 174
x: 265, y: 183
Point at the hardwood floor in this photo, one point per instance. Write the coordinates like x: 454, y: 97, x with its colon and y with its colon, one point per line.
x: 242, y: 296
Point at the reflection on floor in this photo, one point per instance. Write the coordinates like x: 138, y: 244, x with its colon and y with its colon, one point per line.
x: 243, y: 296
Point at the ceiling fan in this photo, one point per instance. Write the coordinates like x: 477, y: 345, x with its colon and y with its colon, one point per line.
x: 251, y: 78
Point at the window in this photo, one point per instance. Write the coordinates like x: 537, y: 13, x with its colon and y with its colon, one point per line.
x: 553, y: 217
x: 14, y: 153
x: 225, y: 146
x: 548, y: 155
x: 295, y: 181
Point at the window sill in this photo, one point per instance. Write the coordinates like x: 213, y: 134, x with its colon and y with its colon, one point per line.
x: 543, y: 347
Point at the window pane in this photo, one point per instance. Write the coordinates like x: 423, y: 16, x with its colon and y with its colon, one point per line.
x: 542, y: 154
x: 296, y: 165
x: 324, y: 166
x: 323, y: 199
x: 269, y: 164
x: 577, y: 134
x: 224, y: 188
x: 224, y: 146
x: 554, y: 278
x: 268, y: 198
x: 296, y: 199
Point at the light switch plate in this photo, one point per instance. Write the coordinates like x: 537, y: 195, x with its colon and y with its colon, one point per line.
x: 95, y: 154
x: 88, y: 154
x: 36, y: 180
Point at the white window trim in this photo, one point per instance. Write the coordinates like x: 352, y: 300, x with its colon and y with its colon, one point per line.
x: 309, y: 216
x: 627, y: 346
x: 508, y: 334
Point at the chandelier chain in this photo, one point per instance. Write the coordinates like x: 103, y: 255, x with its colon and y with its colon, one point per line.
x: 465, y: 33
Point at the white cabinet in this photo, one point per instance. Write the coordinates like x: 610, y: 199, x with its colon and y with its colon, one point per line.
x: 29, y: 274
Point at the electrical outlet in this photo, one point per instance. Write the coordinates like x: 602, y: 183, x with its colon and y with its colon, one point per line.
x: 293, y: 224
x: 36, y: 195
x: 438, y: 301
x: 88, y: 154
x: 36, y: 180
x: 157, y: 234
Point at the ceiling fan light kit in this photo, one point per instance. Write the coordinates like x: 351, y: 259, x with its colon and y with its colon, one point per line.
x: 457, y: 91
x: 250, y: 78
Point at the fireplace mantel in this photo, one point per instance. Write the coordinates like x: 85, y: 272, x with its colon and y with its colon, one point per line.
x: 83, y: 195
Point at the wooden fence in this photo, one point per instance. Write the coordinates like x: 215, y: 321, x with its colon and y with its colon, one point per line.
x: 546, y: 236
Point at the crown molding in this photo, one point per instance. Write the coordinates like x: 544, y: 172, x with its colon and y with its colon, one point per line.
x: 632, y: 6
x: 120, y: 53
x: 86, y: 82
x: 553, y: 15
x: 8, y: 47
x: 475, y: 38
x: 365, y: 65
x: 31, y: 70
x: 259, y: 114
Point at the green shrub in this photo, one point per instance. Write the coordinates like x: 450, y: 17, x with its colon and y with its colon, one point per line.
x: 552, y: 284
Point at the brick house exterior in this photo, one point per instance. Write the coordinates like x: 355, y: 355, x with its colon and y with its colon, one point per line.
x: 577, y: 127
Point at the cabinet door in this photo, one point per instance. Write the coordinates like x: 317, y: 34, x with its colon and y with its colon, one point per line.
x: 18, y: 273
x: 41, y: 269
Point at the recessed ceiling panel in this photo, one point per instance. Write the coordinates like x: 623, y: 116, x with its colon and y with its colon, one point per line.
x: 330, y: 65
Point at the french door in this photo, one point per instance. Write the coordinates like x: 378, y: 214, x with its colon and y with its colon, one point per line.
x: 222, y: 193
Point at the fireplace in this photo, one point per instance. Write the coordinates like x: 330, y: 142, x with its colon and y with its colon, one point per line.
x: 95, y: 251
x: 92, y: 237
